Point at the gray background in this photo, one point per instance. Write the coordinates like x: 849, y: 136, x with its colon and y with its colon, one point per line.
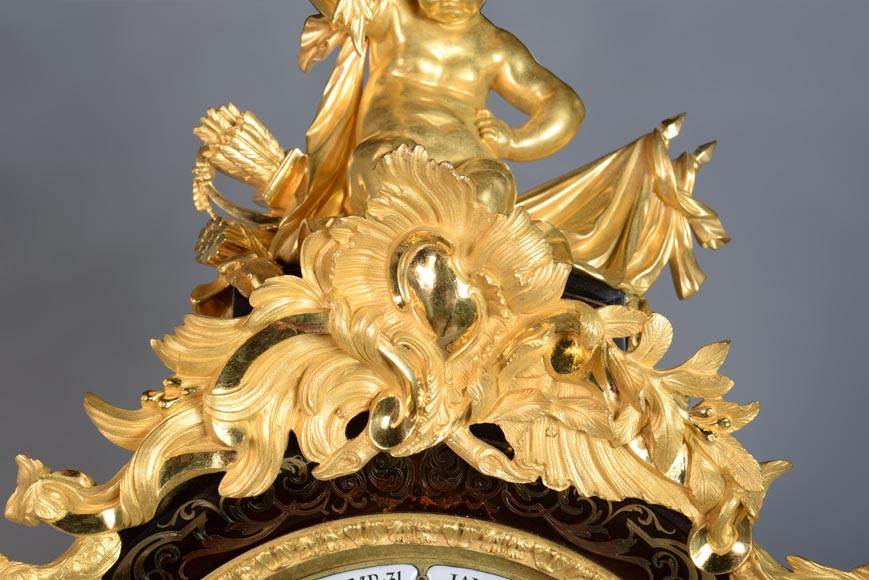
x: 98, y: 98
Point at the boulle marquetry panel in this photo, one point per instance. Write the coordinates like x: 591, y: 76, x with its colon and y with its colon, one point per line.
x: 196, y: 531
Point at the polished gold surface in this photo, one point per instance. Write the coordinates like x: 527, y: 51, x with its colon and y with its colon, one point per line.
x: 422, y: 540
x: 431, y: 300
x: 631, y: 213
x: 431, y: 66
x: 761, y: 566
x: 625, y: 217
x: 432, y: 313
x: 87, y: 559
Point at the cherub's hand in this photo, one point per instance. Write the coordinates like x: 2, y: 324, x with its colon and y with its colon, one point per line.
x: 495, y: 133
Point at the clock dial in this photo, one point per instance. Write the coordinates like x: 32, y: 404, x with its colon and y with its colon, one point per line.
x: 408, y: 572
x: 388, y: 572
x: 453, y: 573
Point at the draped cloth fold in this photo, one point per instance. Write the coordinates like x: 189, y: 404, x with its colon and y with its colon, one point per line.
x: 331, y: 137
x: 625, y: 216
x: 630, y: 213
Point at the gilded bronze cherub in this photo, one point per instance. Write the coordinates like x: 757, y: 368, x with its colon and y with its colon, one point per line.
x: 432, y: 65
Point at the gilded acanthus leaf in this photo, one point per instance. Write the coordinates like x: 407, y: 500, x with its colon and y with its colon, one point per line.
x: 436, y: 306
x: 688, y: 382
x: 762, y: 566
x: 126, y: 429
x: 89, y: 558
x: 582, y: 414
x: 698, y: 376
x: 666, y: 424
x: 717, y: 416
x: 732, y: 459
x: 709, y: 358
x: 740, y: 415
x: 621, y: 321
x: 626, y: 424
x: 654, y: 341
x: 519, y: 406
x: 283, y: 297
x: 809, y: 569
x: 199, y: 347
x: 365, y: 330
x: 706, y: 482
x: 771, y: 470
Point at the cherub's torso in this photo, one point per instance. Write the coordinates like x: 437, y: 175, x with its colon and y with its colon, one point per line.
x: 427, y: 80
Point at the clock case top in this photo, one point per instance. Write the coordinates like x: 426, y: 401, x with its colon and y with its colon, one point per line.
x: 196, y: 530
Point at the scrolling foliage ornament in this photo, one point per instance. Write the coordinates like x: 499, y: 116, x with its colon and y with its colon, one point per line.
x: 432, y: 314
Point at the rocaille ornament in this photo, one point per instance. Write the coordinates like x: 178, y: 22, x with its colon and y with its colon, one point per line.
x: 429, y: 298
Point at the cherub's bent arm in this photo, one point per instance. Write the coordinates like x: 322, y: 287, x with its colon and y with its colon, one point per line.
x: 555, y: 110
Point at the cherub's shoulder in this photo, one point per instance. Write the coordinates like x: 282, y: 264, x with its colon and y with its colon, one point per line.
x: 384, y: 12
x: 507, y: 45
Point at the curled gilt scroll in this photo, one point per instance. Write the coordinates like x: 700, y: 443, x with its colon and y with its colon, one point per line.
x: 432, y: 314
